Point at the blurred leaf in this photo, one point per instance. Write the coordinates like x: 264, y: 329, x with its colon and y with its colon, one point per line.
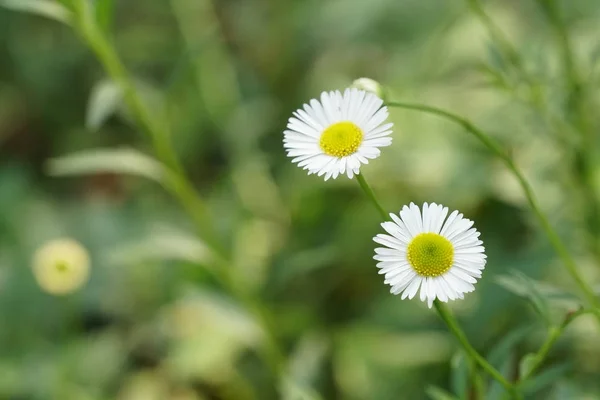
x: 293, y: 391
x: 495, y: 57
x: 118, y: 161
x: 164, y: 243
x: 496, y: 391
x: 523, y: 286
x: 501, y: 357
x: 209, y: 333
x: 526, y: 364
x: 553, y: 294
x: 501, y: 351
x: 104, y: 13
x: 45, y: 8
x: 9, y: 379
x: 548, y: 377
x: 257, y: 189
x: 435, y: 393
x: 460, y: 375
x: 567, y: 390
x: 105, y: 100
x: 304, y: 367
x: 254, y: 242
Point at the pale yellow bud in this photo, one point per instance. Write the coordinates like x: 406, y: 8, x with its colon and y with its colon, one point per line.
x: 61, y: 266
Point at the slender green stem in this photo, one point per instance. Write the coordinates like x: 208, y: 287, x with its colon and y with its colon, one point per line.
x: 559, y: 246
x: 95, y: 38
x: 452, y: 324
x: 585, y: 160
x: 175, y: 180
x: 550, y: 7
x: 443, y: 311
x: 156, y: 129
x: 553, y: 335
x: 511, y: 55
x: 371, y: 195
x: 497, y: 36
x: 478, y: 383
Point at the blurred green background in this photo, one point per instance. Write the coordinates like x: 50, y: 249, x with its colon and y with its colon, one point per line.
x: 153, y: 324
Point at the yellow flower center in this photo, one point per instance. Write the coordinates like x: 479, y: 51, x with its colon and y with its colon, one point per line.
x: 430, y: 254
x: 341, y: 139
x: 62, y: 266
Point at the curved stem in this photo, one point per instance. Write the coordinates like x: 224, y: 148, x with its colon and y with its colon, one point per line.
x: 478, y: 383
x: 553, y: 335
x: 445, y: 313
x: 579, y: 112
x: 452, y: 324
x: 371, y: 195
x: 497, y: 36
x: 175, y: 180
x: 555, y: 241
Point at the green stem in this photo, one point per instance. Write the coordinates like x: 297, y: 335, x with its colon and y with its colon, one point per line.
x: 444, y: 312
x: 553, y: 335
x: 555, y: 241
x: 371, y: 195
x: 175, y: 180
x: 452, y: 324
x: 497, y: 36
x: 157, y: 130
x: 579, y: 113
x: 478, y: 383
x: 95, y: 38
x: 550, y: 7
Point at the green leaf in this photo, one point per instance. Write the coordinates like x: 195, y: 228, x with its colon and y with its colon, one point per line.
x: 292, y: 391
x: 105, y: 100
x: 435, y: 393
x: 162, y: 243
x: 305, y: 365
x: 502, y: 350
x: 46, y: 8
x: 459, y: 379
x: 501, y: 356
x: 523, y: 286
x: 104, y: 13
x: 117, y: 161
x: 526, y: 364
x: 67, y: 3
x: 495, y: 57
x: 549, y: 376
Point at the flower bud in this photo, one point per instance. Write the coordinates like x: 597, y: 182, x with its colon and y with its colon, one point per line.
x: 369, y: 85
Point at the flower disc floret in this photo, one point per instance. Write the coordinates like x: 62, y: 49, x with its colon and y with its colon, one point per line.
x: 430, y: 254
x: 341, y: 139
x: 338, y: 133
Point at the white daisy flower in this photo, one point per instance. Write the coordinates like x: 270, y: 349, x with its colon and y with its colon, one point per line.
x: 338, y: 134
x: 441, y: 256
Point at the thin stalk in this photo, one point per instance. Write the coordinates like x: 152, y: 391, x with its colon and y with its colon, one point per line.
x: 559, y: 247
x: 581, y: 119
x: 175, y: 180
x: 371, y: 195
x: 445, y: 313
x: 156, y: 130
x: 497, y: 36
x: 553, y: 335
x: 95, y: 38
x: 452, y: 324
x: 478, y: 383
